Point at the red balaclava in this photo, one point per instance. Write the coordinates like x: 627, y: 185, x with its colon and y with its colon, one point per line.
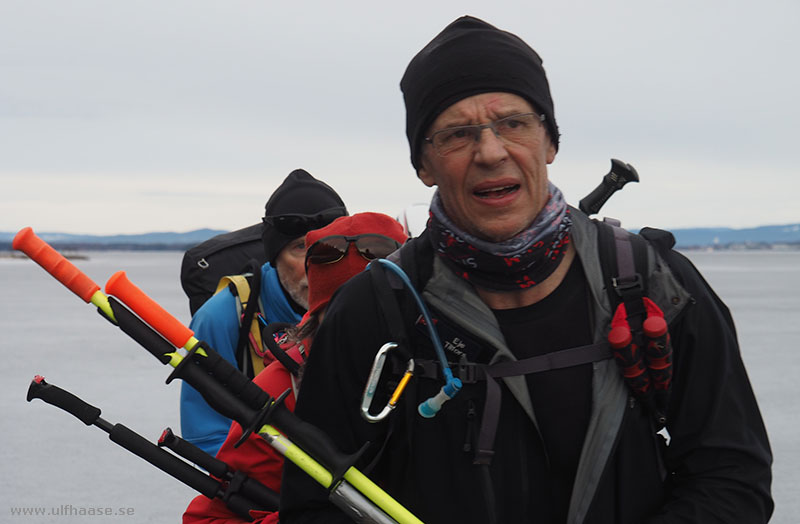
x: 325, y: 279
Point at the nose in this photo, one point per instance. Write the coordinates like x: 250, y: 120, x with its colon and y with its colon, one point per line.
x: 490, y: 149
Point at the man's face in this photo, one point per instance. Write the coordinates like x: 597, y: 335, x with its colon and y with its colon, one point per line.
x: 494, y: 190
x: 291, y: 268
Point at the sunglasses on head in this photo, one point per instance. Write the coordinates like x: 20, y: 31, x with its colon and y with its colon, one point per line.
x: 328, y: 250
x: 295, y: 225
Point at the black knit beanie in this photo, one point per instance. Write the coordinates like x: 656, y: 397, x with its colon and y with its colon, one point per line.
x: 471, y: 57
x: 311, y: 204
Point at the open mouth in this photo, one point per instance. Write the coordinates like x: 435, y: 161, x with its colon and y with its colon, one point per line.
x: 496, y: 192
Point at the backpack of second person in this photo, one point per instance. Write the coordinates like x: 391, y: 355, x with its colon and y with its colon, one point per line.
x: 226, y: 254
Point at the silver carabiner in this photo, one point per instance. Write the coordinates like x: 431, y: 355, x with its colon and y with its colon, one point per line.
x: 372, y: 385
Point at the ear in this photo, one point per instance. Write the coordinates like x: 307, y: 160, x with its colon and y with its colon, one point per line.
x: 424, y: 173
x: 551, y: 151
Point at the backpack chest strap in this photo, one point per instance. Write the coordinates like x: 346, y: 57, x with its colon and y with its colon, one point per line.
x: 550, y: 361
x: 470, y: 372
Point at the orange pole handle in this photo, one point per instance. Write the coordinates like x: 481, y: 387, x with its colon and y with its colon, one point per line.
x: 148, y: 310
x: 54, y: 263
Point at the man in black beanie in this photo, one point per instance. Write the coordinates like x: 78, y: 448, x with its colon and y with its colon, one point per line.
x: 301, y: 203
x: 539, y: 423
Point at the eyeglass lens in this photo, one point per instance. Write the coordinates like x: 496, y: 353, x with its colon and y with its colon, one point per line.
x: 334, y: 248
x: 514, y: 128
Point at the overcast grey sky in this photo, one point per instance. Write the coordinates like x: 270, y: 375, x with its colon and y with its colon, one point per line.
x: 126, y: 117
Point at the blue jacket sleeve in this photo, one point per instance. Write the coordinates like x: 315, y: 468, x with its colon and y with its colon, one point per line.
x: 216, y: 324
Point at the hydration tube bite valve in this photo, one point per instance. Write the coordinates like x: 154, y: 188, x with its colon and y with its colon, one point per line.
x: 452, y: 386
x: 431, y: 407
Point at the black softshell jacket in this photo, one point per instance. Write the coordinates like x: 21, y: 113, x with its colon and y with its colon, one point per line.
x: 716, y: 468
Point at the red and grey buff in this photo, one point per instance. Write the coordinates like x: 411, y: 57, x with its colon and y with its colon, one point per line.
x: 517, y: 263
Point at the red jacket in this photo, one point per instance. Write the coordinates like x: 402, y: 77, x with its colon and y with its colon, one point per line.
x: 254, y: 457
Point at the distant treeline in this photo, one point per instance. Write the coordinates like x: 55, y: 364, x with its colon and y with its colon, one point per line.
x: 90, y: 246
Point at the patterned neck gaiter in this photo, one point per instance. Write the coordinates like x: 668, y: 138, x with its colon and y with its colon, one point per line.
x: 520, y: 262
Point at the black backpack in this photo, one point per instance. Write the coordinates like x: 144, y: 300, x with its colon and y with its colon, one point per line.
x: 227, y: 254
x: 624, y: 260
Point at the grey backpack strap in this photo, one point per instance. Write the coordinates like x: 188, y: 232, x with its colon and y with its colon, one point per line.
x: 555, y: 360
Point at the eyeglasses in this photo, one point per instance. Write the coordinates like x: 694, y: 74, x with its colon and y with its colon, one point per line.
x: 514, y: 128
x: 296, y: 225
x: 328, y: 250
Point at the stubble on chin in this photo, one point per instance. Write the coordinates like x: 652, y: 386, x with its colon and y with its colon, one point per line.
x: 297, y: 290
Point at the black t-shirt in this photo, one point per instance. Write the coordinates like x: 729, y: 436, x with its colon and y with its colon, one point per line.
x: 562, y: 397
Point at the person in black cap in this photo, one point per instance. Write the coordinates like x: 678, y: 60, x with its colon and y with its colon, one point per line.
x: 300, y: 204
x: 539, y: 423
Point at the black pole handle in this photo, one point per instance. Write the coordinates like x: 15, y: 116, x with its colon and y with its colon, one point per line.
x: 123, y: 436
x: 620, y: 174
x: 165, y: 461
x: 194, y: 454
x: 240, y: 502
x: 236, y: 499
x: 236, y: 383
x: 250, y: 488
x: 65, y: 400
x: 214, y: 391
x: 139, y: 331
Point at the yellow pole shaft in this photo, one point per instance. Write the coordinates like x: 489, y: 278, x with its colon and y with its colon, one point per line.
x: 370, y: 490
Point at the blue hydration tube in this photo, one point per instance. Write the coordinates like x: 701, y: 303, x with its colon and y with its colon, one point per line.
x: 430, y: 407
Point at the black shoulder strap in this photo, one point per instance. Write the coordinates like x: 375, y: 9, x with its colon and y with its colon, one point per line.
x: 398, y: 309
x: 623, y: 259
x: 242, y: 355
x: 395, y: 301
x: 416, y: 259
x: 387, y: 299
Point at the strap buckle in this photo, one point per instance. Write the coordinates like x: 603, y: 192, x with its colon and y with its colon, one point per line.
x: 628, y: 287
x: 467, y: 371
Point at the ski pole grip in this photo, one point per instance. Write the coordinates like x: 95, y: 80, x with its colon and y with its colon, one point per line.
x: 54, y: 263
x: 194, y: 454
x: 164, y: 460
x: 65, y: 400
x: 620, y: 174
x: 170, y: 328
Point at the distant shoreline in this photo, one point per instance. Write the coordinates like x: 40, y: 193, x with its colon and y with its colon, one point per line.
x: 73, y: 249
x: 6, y: 249
x: 23, y: 256
x: 775, y: 237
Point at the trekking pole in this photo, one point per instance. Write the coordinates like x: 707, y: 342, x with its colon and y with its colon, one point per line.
x: 62, y: 269
x: 229, y: 492
x: 238, y: 480
x: 258, y: 412
x: 619, y: 175
x: 225, y: 388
